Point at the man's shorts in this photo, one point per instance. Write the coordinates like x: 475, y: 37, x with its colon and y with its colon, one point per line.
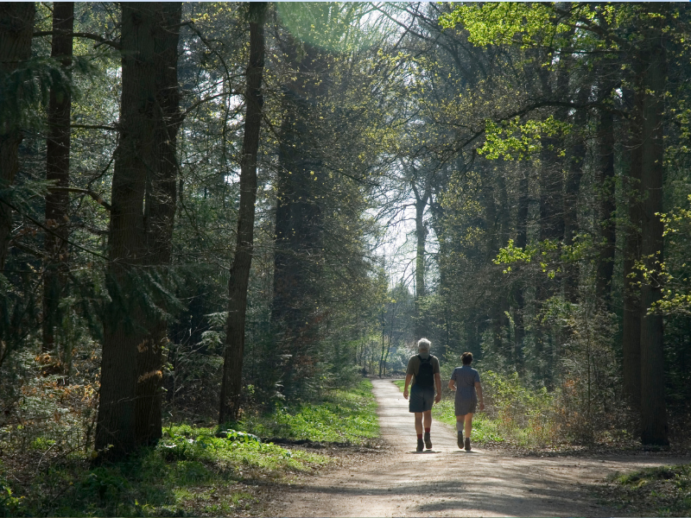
x: 465, y: 406
x: 421, y: 399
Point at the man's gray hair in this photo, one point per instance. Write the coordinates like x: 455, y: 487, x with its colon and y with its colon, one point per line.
x: 423, y: 343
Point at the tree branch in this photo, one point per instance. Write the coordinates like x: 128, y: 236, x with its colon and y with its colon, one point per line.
x: 97, y: 197
x: 94, y: 126
x: 86, y: 35
x: 61, y: 238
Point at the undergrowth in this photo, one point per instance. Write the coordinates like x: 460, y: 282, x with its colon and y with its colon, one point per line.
x: 659, y: 491
x: 191, y: 471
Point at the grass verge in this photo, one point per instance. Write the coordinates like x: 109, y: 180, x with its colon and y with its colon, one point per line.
x: 348, y: 416
x: 659, y: 491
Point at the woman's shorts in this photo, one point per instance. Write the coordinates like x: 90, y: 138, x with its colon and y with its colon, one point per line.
x: 465, y: 406
x: 421, y: 399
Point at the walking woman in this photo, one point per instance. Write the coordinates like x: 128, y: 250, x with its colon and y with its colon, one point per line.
x: 466, y: 382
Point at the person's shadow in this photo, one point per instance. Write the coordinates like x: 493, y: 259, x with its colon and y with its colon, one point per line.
x: 425, y: 452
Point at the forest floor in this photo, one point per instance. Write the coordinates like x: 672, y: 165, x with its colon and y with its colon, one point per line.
x: 397, y: 481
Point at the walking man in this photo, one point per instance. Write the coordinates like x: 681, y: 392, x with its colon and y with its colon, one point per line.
x: 423, y: 370
x: 466, y: 382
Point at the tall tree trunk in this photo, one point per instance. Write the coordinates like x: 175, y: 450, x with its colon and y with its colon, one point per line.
x: 605, y: 264
x: 231, y: 387
x: 551, y: 193
x: 631, y: 318
x: 573, y: 186
x: 421, y: 199
x: 437, y: 220
x: 141, y: 225
x: 16, y: 31
x: 551, y: 164
x: 653, y: 409
x: 57, y: 170
x: 503, y: 231
x: 521, y: 242
x: 298, y: 259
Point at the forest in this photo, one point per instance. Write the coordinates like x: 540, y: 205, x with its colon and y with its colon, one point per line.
x: 213, y: 211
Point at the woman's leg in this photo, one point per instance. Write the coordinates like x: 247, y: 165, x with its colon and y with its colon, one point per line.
x: 459, y: 430
x: 468, y: 424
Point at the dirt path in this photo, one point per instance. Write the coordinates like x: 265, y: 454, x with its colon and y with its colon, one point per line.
x: 451, y: 482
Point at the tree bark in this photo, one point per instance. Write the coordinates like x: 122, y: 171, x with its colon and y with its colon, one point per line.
x: 576, y: 163
x: 551, y: 164
x: 299, y: 241
x: 521, y: 242
x: 16, y: 32
x: 605, y: 264
x: 551, y: 193
x: 631, y: 318
x: 653, y: 408
x: 503, y: 227
x: 421, y: 199
x: 58, y: 171
x: 231, y: 388
x: 141, y: 225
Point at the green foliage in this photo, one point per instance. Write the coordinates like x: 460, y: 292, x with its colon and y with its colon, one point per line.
x: 505, y: 23
x: 531, y: 25
x: 674, y: 273
x: 26, y: 89
x: 512, y: 139
x: 188, y: 470
x: 192, y: 470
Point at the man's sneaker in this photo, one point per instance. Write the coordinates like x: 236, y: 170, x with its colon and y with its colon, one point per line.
x: 460, y: 440
x: 428, y: 441
x: 467, y: 444
x: 420, y: 445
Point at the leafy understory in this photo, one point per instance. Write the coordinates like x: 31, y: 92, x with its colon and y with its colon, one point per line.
x: 190, y: 472
x: 198, y: 471
x: 659, y: 491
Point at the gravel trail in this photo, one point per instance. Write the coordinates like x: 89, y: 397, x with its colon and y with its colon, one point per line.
x: 451, y: 482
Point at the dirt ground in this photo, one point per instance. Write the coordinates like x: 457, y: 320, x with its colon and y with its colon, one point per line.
x: 448, y: 481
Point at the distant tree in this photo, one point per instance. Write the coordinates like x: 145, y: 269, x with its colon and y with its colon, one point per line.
x: 231, y: 389
x: 57, y: 171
